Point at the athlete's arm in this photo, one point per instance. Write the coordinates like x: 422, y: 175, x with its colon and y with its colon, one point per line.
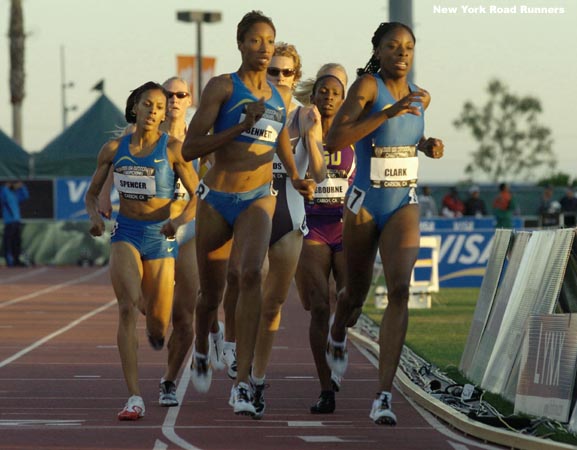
x: 284, y: 151
x: 351, y: 125
x: 312, y: 133
x: 103, y: 165
x: 189, y: 179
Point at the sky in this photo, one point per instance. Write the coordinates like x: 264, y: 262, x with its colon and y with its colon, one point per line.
x: 128, y: 42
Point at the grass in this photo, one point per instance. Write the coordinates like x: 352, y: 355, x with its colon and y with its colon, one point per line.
x: 439, y: 335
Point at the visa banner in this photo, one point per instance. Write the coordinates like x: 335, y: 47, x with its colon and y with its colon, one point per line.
x: 465, y: 248
x: 69, y: 198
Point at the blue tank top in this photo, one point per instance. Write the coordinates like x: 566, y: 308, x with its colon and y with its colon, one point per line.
x: 401, y: 131
x: 143, y: 178
x: 267, y: 129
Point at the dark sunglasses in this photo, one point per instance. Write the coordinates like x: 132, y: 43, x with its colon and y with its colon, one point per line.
x: 178, y: 94
x: 275, y: 71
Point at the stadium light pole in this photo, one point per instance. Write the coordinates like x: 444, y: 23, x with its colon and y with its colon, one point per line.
x: 198, y: 17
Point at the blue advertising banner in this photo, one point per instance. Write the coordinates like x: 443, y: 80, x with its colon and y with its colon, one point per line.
x: 465, y: 248
x: 69, y: 198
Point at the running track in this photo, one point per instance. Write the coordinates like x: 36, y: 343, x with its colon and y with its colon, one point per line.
x: 61, y: 383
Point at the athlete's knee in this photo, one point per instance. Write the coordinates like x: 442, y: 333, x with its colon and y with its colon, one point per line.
x: 399, y: 293
x: 250, y: 277
x: 320, y: 312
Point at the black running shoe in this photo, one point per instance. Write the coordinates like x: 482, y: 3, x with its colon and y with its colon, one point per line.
x: 155, y: 343
x: 258, y: 400
x: 325, y: 403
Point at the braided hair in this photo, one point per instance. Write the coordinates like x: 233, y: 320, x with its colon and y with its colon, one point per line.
x: 134, y: 98
x: 374, y: 65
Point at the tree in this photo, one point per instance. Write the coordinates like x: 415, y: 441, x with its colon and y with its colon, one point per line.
x: 16, y: 34
x: 512, y: 144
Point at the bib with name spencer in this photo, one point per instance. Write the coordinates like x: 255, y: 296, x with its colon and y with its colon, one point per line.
x: 143, y: 178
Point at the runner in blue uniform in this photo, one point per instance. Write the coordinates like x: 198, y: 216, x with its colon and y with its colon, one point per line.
x: 146, y: 164
x: 384, y: 114
x: 247, y: 115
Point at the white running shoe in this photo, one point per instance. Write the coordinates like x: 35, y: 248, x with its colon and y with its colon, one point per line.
x: 133, y: 410
x: 229, y: 358
x: 216, y: 347
x: 201, y: 375
x: 336, y: 353
x: 241, y: 400
x: 167, y: 394
x: 381, y: 411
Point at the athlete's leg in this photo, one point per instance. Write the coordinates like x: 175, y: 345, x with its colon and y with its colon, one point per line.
x: 313, y: 284
x: 213, y: 235
x: 360, y: 249
x: 158, y: 291
x: 185, y: 292
x: 252, y: 234
x: 125, y: 274
x: 399, y: 247
x: 283, y: 257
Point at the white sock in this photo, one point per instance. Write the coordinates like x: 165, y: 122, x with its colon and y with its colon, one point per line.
x: 256, y: 380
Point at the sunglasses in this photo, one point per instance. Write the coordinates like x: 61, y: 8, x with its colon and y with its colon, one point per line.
x: 275, y: 71
x: 178, y: 94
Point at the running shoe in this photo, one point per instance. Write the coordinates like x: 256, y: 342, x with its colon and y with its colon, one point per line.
x: 336, y: 382
x: 155, y: 343
x: 216, y: 347
x: 325, y: 404
x: 229, y: 358
x: 258, y: 400
x: 241, y: 400
x: 336, y: 354
x: 201, y: 372
x: 381, y: 412
x: 167, y: 396
x: 133, y: 410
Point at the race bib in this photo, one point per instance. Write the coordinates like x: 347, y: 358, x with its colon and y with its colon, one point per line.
x: 202, y: 190
x: 267, y: 128
x: 394, y: 167
x: 135, y: 182
x: 331, y: 191
x: 355, y: 199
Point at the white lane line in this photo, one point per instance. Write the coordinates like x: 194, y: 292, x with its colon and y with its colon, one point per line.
x: 27, y: 274
x: 172, y: 414
x: 159, y: 445
x: 52, y: 288
x: 45, y: 339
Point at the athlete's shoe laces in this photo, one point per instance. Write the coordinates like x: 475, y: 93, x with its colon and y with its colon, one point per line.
x: 258, y: 400
x: 216, y: 346
x: 167, y: 395
x: 381, y: 412
x: 201, y: 372
x: 241, y: 400
x: 133, y: 410
x: 229, y: 357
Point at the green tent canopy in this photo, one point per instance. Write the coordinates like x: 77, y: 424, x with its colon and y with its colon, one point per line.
x: 74, y: 152
x: 13, y: 158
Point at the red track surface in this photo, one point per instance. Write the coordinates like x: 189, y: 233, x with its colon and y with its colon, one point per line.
x: 61, y: 383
